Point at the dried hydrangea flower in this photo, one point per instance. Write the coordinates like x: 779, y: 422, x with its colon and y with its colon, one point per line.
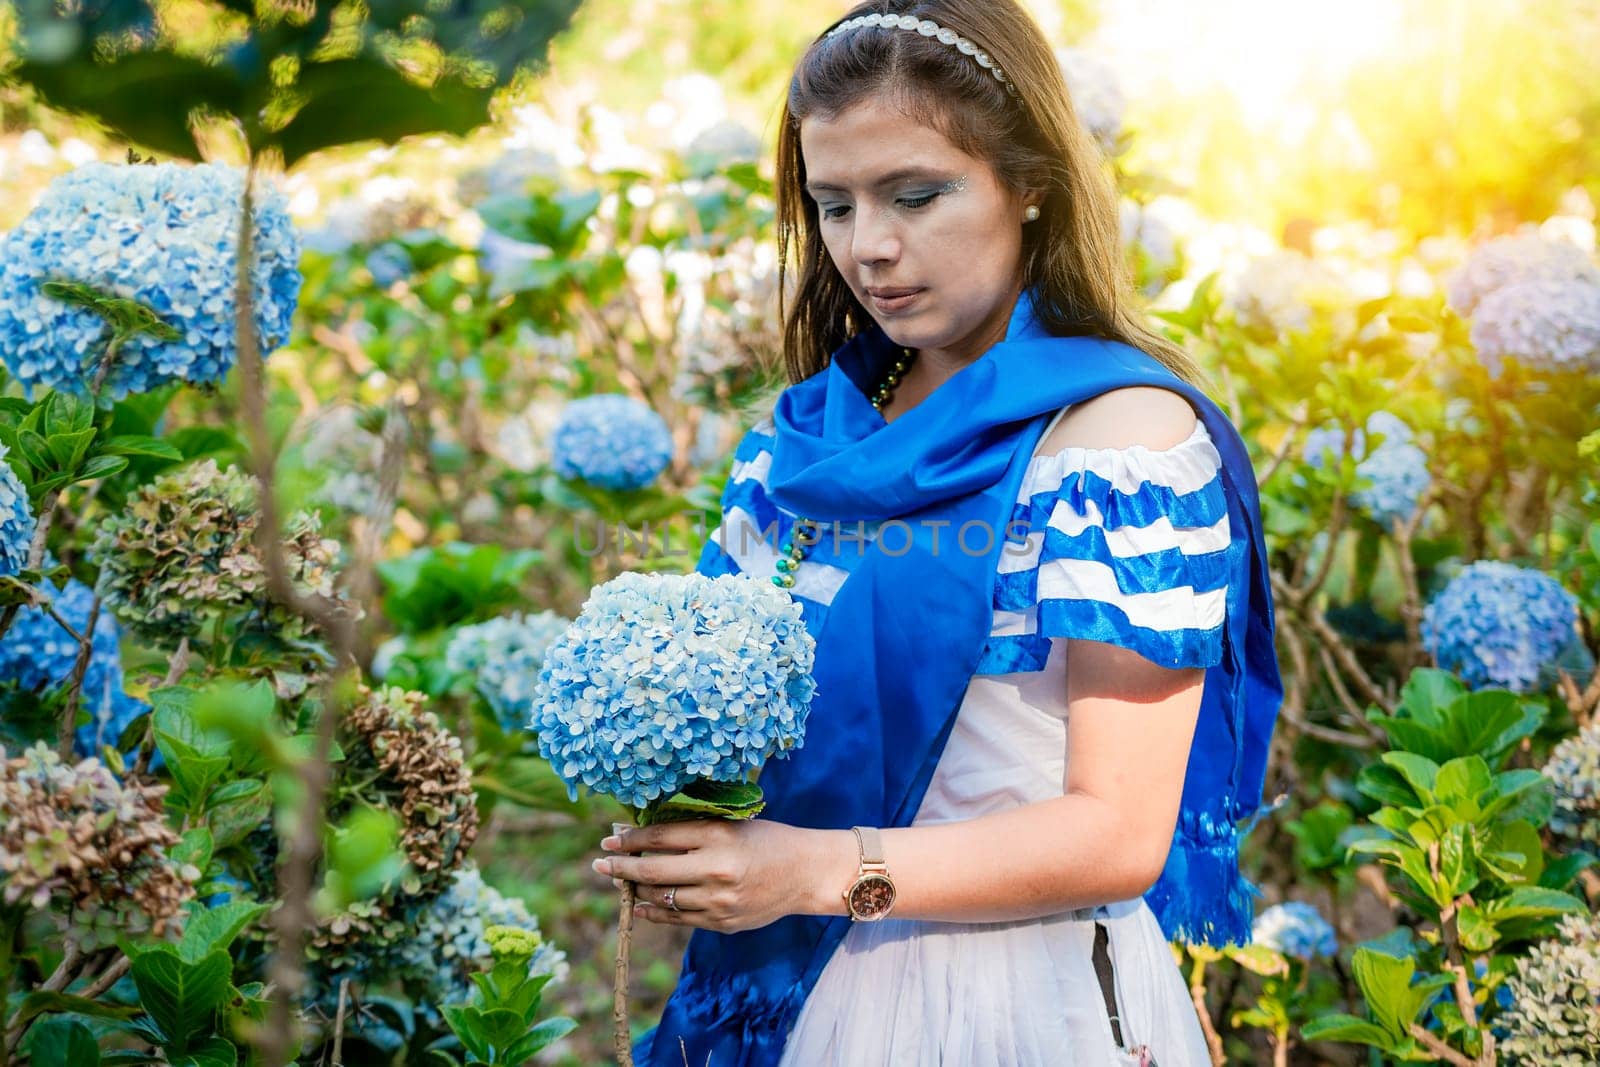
x: 1574, y: 773
x: 401, y: 758
x: 421, y: 773
x: 182, y: 553
x: 1555, y: 999
x: 88, y: 847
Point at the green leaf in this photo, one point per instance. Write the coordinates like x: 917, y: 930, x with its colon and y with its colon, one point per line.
x: 1386, y: 983
x: 1428, y: 692
x: 182, y: 996
x: 68, y: 449
x: 101, y: 467
x: 194, y: 848
x: 1457, y: 870
x: 1260, y: 959
x: 1419, y: 772
x: 1478, y: 933
x: 211, y: 929
x: 38, y: 1003
x: 394, y: 107
x: 538, y: 1037
x: 63, y: 1043
x: 1462, y: 781
x: 1514, y: 852
x: 236, y: 809
x: 135, y: 445
x: 1526, y: 902
x: 363, y: 857
x: 463, y: 1022
x: 216, y: 1051
x: 1347, y: 1028
x: 525, y: 780
x: 703, y: 799
x: 143, y: 96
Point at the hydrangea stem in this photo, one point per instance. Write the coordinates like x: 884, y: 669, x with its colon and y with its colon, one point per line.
x: 622, y: 1033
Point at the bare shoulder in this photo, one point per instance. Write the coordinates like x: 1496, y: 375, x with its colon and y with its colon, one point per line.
x: 1144, y: 415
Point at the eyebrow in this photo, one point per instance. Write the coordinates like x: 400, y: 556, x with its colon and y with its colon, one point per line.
x: 893, y: 176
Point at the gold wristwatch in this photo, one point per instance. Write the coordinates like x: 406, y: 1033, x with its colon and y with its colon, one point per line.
x: 871, y: 896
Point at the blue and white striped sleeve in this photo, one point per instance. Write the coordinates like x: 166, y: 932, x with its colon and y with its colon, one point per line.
x: 744, y: 494
x: 1129, y: 546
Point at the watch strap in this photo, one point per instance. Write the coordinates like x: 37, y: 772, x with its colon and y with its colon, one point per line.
x: 871, y: 845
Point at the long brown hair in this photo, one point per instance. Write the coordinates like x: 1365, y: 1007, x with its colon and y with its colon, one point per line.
x: 1072, y: 256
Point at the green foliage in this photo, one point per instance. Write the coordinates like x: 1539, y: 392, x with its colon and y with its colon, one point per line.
x: 441, y: 586
x: 498, y: 1025
x: 284, y: 75
x: 62, y: 440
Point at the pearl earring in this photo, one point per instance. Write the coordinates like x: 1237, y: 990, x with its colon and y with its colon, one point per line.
x: 1031, y: 213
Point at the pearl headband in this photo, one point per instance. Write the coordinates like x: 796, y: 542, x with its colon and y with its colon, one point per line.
x: 929, y: 28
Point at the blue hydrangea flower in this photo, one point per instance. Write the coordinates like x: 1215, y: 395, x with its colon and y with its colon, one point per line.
x: 1515, y: 260
x: 389, y: 263
x: 16, y: 520
x: 1395, y: 472
x: 39, y: 656
x: 1296, y: 929
x: 612, y: 441
x: 664, y: 679
x: 1546, y: 325
x: 505, y: 656
x: 164, y: 235
x: 1497, y: 624
x: 448, y: 946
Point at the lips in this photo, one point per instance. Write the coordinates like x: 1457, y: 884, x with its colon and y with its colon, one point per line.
x: 890, y: 299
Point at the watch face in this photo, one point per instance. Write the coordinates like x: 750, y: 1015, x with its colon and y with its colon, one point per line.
x: 871, y: 897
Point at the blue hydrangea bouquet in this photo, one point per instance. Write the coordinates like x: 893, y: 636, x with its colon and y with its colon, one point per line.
x: 669, y: 692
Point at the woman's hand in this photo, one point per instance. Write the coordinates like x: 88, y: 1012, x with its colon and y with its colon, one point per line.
x: 731, y: 876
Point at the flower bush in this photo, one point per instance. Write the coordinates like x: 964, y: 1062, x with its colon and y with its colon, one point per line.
x: 1553, y: 1017
x: 1515, y: 260
x: 183, y: 554
x: 38, y: 655
x: 1574, y: 773
x: 1498, y: 624
x: 1296, y: 929
x: 504, y: 657
x: 664, y: 679
x: 16, y: 521
x: 611, y: 441
x: 1547, y: 325
x: 1395, y: 470
x: 76, y: 840
x: 164, y: 235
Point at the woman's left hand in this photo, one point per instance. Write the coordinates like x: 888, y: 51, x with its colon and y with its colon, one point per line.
x: 727, y: 876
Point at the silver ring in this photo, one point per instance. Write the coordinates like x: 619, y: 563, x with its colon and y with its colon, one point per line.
x: 671, y: 899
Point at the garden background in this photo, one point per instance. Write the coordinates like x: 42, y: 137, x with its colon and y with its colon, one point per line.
x: 1373, y: 223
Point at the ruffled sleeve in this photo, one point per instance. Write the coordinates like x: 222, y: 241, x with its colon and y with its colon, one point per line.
x: 1130, y: 546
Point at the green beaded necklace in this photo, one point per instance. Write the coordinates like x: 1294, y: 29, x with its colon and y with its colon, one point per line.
x: 808, y: 532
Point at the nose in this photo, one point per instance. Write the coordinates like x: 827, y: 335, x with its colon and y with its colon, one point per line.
x: 875, y: 239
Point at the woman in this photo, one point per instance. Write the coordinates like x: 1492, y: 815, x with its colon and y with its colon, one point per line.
x: 1029, y: 549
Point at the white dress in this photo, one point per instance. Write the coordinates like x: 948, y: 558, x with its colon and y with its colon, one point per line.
x: 911, y: 993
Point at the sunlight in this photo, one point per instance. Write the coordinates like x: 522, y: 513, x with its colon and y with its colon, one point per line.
x: 1261, y: 52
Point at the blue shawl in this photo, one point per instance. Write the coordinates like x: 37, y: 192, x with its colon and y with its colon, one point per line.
x: 899, y: 643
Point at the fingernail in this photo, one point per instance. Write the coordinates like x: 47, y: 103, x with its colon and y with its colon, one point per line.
x: 601, y: 866
x: 616, y: 883
x: 612, y: 843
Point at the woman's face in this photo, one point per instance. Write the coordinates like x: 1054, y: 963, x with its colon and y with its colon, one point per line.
x: 926, y: 236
